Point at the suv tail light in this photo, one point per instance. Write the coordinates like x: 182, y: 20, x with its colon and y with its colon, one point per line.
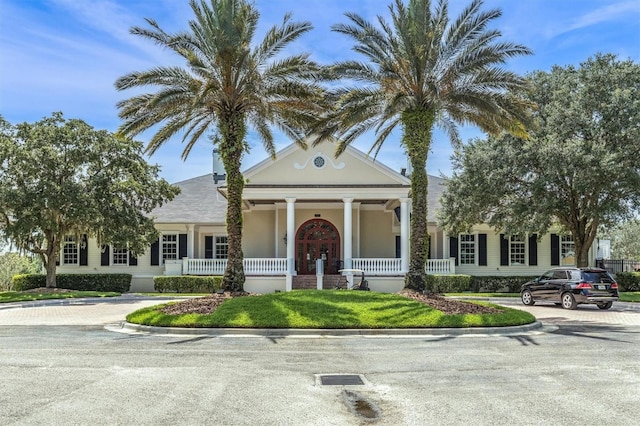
x: 584, y: 285
x: 614, y: 285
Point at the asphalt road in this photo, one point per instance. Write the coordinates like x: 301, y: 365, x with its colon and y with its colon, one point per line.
x: 581, y: 368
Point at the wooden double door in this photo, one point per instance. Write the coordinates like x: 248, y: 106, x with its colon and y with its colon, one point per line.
x: 317, y: 239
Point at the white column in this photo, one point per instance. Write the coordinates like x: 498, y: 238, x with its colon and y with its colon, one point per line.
x: 291, y: 222
x: 190, y: 241
x: 404, y: 234
x: 277, y: 237
x: 348, y: 233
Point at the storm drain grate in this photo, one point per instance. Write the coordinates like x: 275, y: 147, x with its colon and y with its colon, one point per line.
x: 341, y: 380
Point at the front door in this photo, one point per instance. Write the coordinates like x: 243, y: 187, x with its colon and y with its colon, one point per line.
x: 317, y: 239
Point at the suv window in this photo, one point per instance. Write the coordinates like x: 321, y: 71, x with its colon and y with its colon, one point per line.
x: 547, y: 275
x: 576, y: 275
x: 560, y: 275
x: 597, y: 277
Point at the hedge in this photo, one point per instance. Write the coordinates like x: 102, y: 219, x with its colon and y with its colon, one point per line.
x: 494, y: 284
x: 448, y: 283
x: 119, y: 283
x: 186, y: 284
x: 628, y: 281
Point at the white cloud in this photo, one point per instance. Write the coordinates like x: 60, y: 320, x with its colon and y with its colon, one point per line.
x: 609, y: 13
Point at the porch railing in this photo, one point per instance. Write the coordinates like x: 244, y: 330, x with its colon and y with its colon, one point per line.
x: 252, y: 266
x: 440, y: 266
x: 382, y: 266
x: 278, y: 266
x: 392, y: 266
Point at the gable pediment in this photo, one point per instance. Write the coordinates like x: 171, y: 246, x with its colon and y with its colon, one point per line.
x: 317, y: 166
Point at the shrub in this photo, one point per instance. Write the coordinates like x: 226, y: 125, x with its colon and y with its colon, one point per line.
x: 494, y: 284
x: 628, y: 281
x: 119, y: 283
x: 13, y: 264
x: 187, y: 284
x: 23, y: 282
x: 448, y: 283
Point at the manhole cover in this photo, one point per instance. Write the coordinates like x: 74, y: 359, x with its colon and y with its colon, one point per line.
x: 341, y: 380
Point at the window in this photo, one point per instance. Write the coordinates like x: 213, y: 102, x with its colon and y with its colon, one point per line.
x: 70, y: 251
x: 169, y: 247
x: 120, y: 256
x: 516, y: 250
x: 222, y: 248
x: 467, y: 249
x: 567, y: 250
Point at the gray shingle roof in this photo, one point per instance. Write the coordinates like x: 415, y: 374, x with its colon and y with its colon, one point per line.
x: 199, y: 202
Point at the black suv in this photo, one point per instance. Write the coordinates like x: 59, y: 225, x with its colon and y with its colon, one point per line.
x: 570, y: 287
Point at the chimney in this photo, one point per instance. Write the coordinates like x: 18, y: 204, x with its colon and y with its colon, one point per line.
x: 218, y: 167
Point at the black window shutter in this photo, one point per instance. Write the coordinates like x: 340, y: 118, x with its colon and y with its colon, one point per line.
x: 104, y: 256
x: 555, y: 250
x: 482, y: 250
x: 155, y: 253
x: 182, y: 246
x: 133, y: 261
x: 84, y: 251
x: 429, y: 256
x: 398, y: 250
x: 453, y: 248
x: 504, y: 251
x: 533, y: 250
x: 208, y: 247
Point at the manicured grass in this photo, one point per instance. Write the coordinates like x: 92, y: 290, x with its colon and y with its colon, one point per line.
x: 327, y: 309
x: 16, y: 296
x: 630, y: 296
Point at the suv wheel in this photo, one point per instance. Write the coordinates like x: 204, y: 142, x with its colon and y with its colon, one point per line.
x: 605, y: 305
x: 568, y: 301
x: 527, y: 298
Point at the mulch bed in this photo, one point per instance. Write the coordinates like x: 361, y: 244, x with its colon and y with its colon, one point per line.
x: 208, y: 304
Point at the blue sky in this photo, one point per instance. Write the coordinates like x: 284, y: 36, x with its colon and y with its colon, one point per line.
x: 64, y: 55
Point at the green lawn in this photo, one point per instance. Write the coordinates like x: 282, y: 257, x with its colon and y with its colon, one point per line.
x: 327, y: 309
x: 17, y: 296
x: 630, y: 296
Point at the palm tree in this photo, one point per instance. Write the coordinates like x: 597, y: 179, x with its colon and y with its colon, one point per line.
x: 226, y: 86
x: 425, y: 71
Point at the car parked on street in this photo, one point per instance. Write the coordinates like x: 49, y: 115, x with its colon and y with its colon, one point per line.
x: 571, y: 286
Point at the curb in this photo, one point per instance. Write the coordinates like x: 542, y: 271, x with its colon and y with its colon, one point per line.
x: 127, y: 327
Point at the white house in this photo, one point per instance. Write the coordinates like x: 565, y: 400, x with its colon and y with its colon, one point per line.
x: 307, y: 216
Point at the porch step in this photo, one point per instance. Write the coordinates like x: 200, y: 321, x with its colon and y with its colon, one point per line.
x: 309, y: 282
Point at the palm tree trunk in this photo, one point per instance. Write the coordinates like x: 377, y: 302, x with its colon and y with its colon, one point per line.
x: 417, y: 140
x: 232, y: 148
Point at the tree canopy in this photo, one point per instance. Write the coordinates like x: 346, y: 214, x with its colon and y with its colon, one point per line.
x: 579, y: 170
x: 62, y: 177
x: 227, y: 85
x: 425, y: 70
